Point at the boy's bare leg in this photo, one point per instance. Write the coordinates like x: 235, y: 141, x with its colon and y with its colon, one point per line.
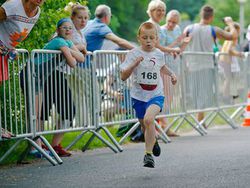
x: 149, y: 127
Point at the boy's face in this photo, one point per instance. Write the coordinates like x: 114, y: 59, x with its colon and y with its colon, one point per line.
x: 65, y: 30
x: 148, y: 39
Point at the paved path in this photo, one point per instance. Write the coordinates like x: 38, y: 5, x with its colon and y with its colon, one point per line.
x: 220, y: 159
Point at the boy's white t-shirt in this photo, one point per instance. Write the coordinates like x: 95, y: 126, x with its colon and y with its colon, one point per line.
x: 146, y: 80
x: 18, y: 25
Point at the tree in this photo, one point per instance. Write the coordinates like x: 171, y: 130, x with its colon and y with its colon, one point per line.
x: 190, y: 7
x: 228, y: 8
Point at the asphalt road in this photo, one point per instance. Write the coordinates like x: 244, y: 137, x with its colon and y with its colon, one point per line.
x: 220, y: 159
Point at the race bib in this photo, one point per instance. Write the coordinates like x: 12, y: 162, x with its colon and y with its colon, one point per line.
x: 148, y: 78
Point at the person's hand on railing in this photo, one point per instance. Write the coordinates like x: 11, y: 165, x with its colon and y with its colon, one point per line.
x: 173, y: 78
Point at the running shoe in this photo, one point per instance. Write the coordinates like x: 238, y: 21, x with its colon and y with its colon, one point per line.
x: 156, y: 149
x: 148, y: 161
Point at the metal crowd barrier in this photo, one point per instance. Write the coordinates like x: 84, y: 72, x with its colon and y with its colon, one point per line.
x: 16, y: 113
x: 45, y: 96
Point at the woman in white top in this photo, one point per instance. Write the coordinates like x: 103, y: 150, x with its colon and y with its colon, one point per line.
x: 17, y: 18
x: 80, y: 78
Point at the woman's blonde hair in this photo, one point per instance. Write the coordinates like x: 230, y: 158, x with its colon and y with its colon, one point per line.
x: 73, y: 8
x: 154, y: 4
x: 76, y: 7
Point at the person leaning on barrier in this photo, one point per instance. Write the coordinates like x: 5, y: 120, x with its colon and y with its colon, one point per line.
x: 231, y: 68
x: 14, y: 30
x: 203, y: 39
x: 97, y: 30
x: 59, y: 93
x: 79, y: 80
x: 48, y: 77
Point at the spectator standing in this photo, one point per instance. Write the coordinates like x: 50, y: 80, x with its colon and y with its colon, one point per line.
x: 231, y: 68
x: 80, y: 78
x: 17, y: 18
x: 172, y: 37
x: 156, y: 12
x: 97, y: 30
x: 59, y: 93
x: 203, y: 40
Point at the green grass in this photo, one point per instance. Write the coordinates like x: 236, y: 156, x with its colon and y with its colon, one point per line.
x: 69, y: 137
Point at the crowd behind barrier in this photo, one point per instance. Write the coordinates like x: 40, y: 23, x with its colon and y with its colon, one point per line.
x: 103, y: 100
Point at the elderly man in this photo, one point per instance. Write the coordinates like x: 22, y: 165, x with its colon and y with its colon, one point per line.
x: 97, y: 30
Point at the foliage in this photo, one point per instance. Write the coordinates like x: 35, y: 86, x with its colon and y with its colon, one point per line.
x: 190, y: 7
x: 228, y: 8
x: 126, y: 15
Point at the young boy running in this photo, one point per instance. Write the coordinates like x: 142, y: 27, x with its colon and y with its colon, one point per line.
x: 145, y: 64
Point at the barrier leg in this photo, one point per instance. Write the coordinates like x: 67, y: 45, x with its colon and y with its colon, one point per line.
x: 204, y: 121
x: 10, y: 150
x: 104, y: 141
x: 179, y: 124
x: 76, y: 140
x: 135, y: 126
x: 196, y: 127
x: 162, y: 134
x: 45, y: 141
x: 239, y: 110
x: 34, y: 144
x: 96, y: 134
x: 199, y: 124
x: 112, y: 139
x: 84, y: 148
x: 224, y: 116
x: 212, y: 117
x: 171, y: 124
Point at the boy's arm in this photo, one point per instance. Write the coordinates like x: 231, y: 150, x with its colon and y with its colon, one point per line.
x: 169, y: 72
x: 125, y: 73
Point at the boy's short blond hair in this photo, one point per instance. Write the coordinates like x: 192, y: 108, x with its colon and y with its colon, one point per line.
x: 147, y: 25
x: 154, y: 4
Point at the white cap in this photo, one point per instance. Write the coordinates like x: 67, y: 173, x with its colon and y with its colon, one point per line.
x: 248, y: 33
